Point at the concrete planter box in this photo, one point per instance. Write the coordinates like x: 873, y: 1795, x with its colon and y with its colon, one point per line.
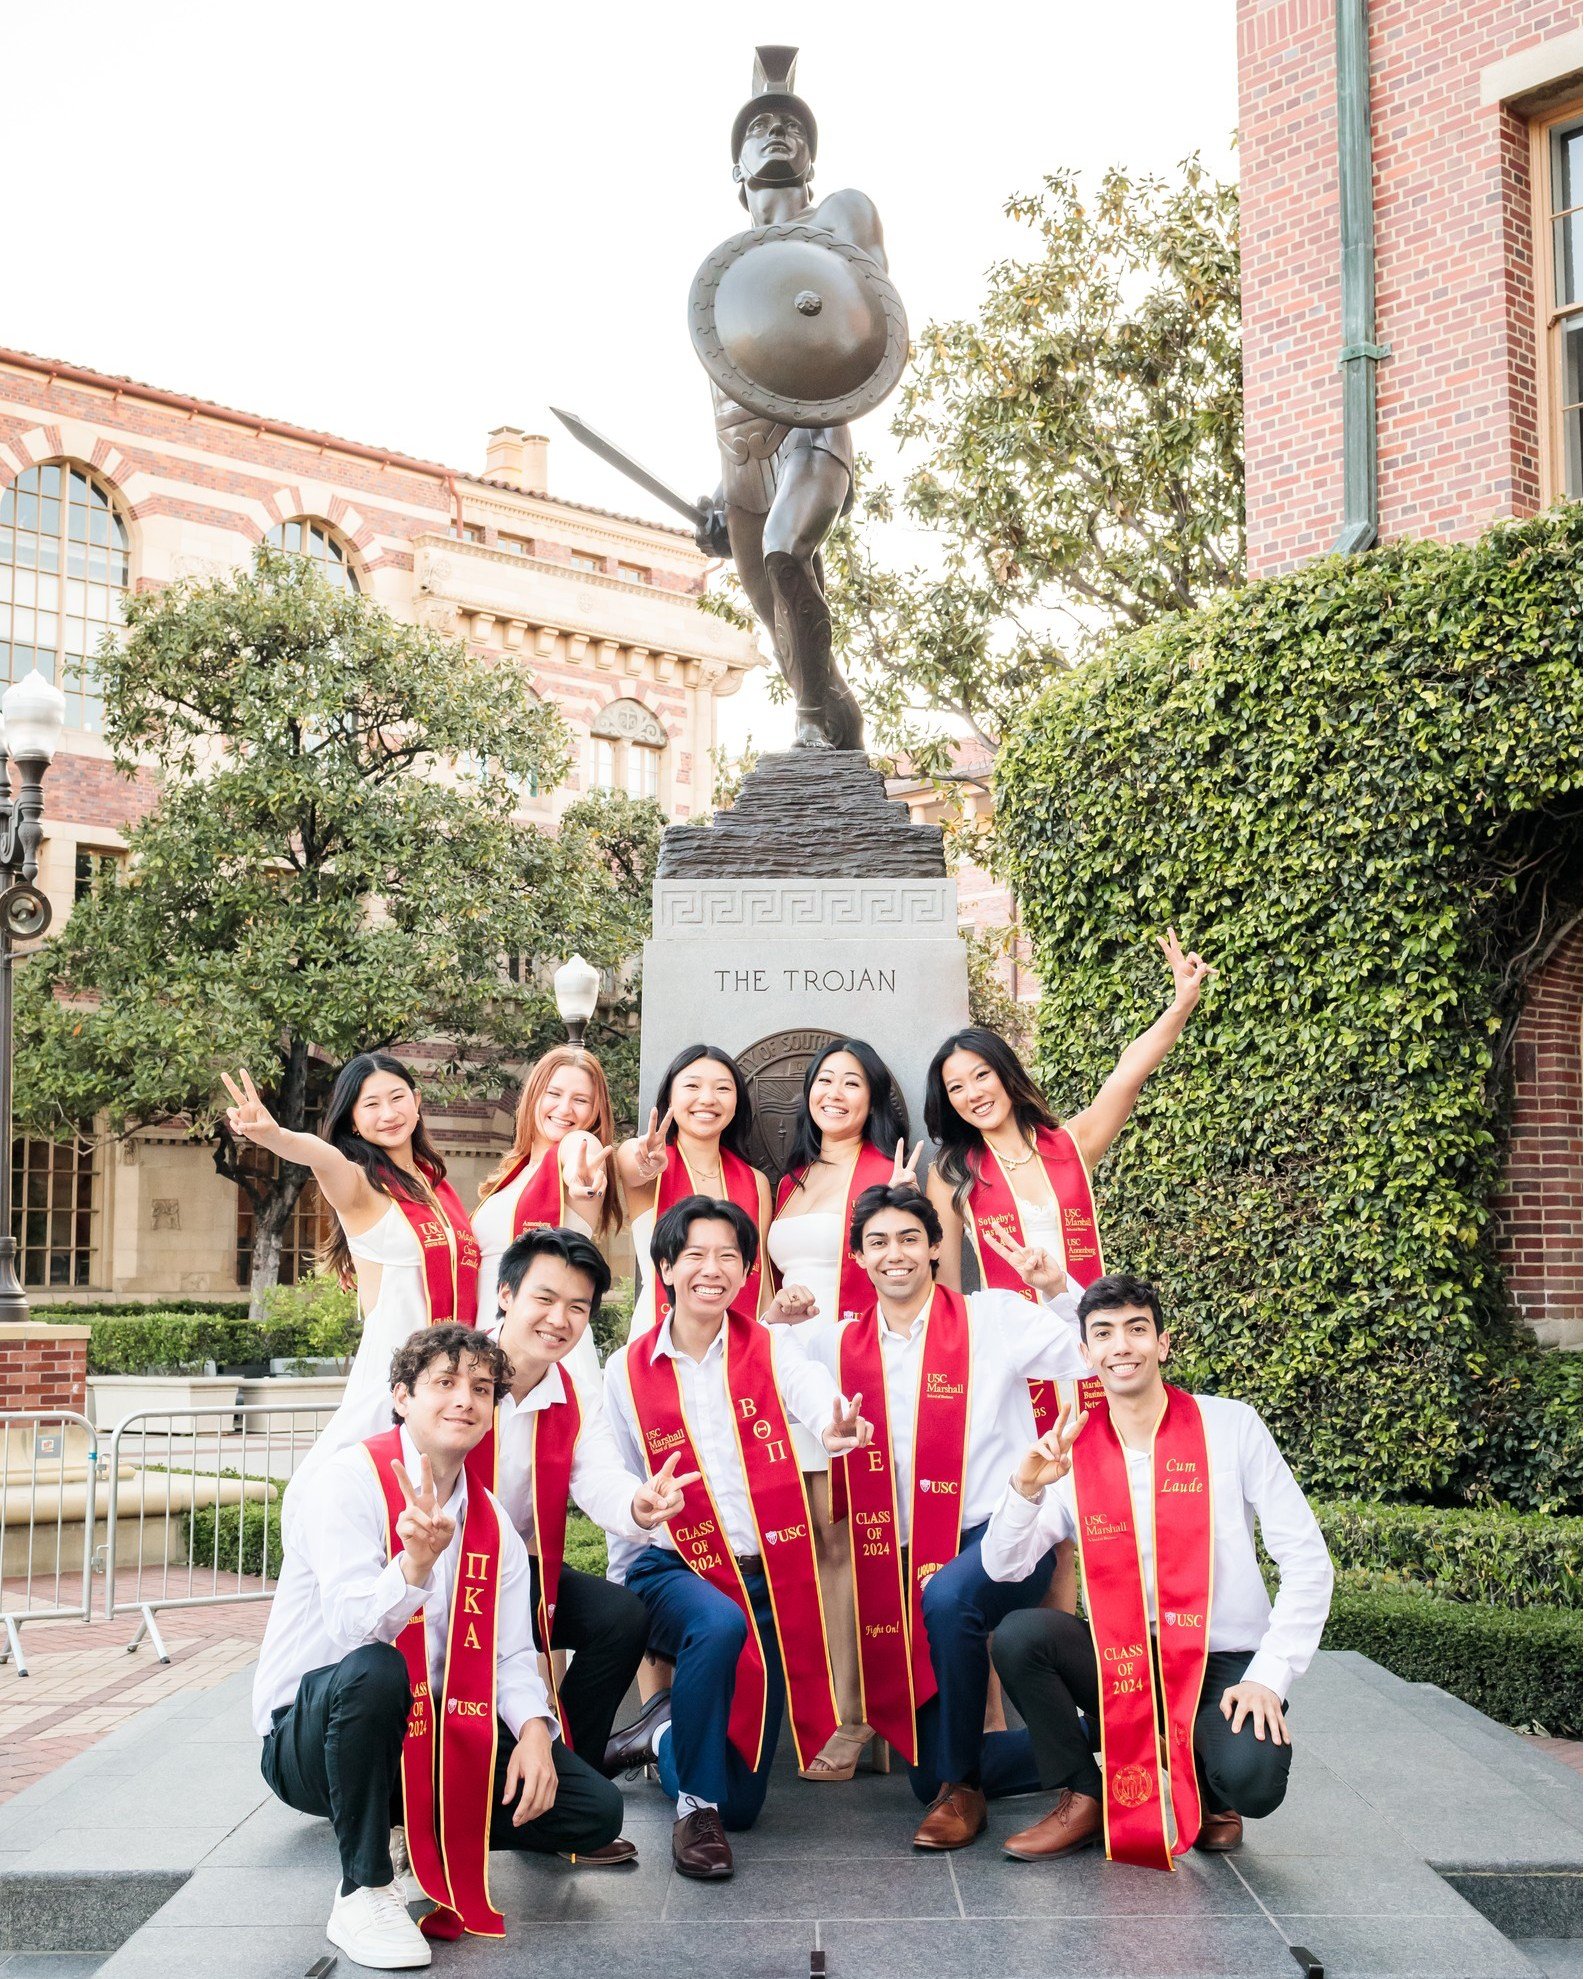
x: 113, y: 1396
x: 298, y: 1391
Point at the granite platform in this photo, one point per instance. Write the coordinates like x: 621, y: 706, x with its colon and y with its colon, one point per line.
x: 1418, y: 1838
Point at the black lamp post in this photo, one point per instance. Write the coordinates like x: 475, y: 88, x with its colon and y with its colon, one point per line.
x: 34, y: 715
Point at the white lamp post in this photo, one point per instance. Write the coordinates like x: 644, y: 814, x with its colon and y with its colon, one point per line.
x: 577, y: 988
x: 34, y: 714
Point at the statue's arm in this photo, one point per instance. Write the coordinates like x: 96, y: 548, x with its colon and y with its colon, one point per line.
x: 851, y: 216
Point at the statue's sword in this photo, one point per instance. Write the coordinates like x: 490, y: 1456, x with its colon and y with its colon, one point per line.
x: 696, y: 512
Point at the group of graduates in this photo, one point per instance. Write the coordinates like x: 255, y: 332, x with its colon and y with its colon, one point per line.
x: 836, y: 1489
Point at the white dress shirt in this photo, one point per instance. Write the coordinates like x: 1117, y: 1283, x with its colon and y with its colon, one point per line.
x: 339, y: 1589
x: 1249, y: 1480
x: 601, y: 1483
x: 807, y: 1390
x: 1013, y: 1341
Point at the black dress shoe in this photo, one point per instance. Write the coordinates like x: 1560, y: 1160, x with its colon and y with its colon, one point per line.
x: 631, y: 1747
x: 699, y: 1847
x: 611, y: 1856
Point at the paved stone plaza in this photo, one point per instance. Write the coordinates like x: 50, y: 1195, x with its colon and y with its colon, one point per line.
x: 164, y: 1841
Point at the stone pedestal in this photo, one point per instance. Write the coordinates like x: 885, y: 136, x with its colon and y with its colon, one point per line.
x: 812, y: 909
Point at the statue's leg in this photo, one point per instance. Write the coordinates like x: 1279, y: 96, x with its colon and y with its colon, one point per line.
x: 810, y: 491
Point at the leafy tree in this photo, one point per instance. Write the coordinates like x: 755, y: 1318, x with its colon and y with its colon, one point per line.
x: 332, y: 864
x: 1081, y: 459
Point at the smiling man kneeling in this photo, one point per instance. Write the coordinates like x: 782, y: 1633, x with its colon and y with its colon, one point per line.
x: 398, y: 1683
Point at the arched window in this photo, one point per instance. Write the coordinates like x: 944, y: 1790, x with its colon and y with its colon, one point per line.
x: 628, y: 744
x: 64, y: 568
x: 305, y: 537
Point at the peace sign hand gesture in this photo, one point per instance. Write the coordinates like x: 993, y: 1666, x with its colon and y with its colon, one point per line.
x: 662, y: 1497
x: 422, y: 1527
x: 1190, y: 972
x: 847, y: 1429
x: 588, y: 1169
x: 1033, y: 1265
x: 249, y: 1117
x: 650, y: 1148
x: 1051, y: 1457
x: 906, y: 1171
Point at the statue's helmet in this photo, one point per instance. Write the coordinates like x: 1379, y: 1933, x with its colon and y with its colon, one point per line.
x: 774, y: 70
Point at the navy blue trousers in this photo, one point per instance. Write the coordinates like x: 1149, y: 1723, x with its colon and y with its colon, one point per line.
x: 962, y: 1605
x: 702, y: 1633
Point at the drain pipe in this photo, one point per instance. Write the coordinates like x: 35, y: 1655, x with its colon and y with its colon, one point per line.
x: 1360, y: 352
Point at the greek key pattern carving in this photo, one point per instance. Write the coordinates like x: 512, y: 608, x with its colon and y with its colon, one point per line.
x: 790, y: 907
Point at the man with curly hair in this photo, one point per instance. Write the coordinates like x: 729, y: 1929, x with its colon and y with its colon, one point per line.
x: 403, y: 1628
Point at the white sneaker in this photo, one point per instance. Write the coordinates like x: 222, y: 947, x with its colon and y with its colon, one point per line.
x: 372, y: 1927
x: 412, y: 1891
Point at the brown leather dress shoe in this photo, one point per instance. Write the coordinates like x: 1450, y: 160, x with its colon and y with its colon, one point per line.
x: 1220, y: 1833
x: 956, y: 1816
x: 1073, y: 1823
x: 613, y: 1853
x: 699, y: 1847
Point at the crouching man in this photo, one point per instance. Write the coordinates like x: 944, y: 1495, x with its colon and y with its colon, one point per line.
x: 398, y: 1683
x: 1161, y: 1489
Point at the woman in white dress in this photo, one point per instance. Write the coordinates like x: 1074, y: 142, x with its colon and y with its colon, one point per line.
x: 553, y: 1174
x: 401, y: 1232
x: 851, y: 1133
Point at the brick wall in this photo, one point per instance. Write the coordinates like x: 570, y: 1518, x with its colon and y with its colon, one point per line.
x: 1538, y: 1210
x: 1454, y: 280
x: 43, y: 1367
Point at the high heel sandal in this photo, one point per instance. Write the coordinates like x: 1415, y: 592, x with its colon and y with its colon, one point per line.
x: 838, y: 1758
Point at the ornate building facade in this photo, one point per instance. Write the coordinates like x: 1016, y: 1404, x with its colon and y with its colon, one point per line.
x: 108, y: 486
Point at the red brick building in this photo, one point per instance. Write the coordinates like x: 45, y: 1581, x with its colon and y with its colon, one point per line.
x: 1460, y: 121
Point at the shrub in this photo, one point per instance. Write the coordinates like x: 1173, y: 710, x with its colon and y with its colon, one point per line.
x: 159, y: 1341
x: 318, y: 1316
x: 1354, y: 789
x: 615, y: 1316
x: 1501, y: 1558
x: 245, y: 1532
x: 1522, y: 1668
x: 585, y: 1544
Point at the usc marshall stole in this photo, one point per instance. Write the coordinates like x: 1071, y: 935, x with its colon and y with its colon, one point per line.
x: 447, y: 1797
x: 553, y: 1441
x: 1109, y: 1547
x: 542, y: 1204
x: 993, y: 1204
x: 781, y: 1520
x: 854, y: 1291
x: 742, y: 1188
x: 895, y: 1670
x: 450, y: 1252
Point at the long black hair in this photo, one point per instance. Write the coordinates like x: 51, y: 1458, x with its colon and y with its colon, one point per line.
x: 735, y: 1134
x: 383, y: 1173
x: 887, y: 1122
x: 960, y: 1148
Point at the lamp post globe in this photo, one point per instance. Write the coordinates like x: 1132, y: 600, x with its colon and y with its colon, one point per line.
x: 577, y: 987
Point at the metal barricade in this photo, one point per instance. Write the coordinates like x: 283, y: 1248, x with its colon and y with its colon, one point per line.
x: 195, y: 1506
x: 49, y: 1487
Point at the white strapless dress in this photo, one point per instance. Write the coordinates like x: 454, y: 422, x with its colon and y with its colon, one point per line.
x: 806, y: 1250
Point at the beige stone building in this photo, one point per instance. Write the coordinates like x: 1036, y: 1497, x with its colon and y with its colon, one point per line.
x: 108, y: 486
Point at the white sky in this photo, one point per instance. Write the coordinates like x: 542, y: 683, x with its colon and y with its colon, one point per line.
x: 406, y: 224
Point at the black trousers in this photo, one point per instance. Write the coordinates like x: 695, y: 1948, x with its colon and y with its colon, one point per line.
x: 1046, y: 1661
x: 607, y: 1629
x: 335, y: 1751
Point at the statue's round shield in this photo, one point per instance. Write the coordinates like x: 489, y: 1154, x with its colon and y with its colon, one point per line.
x: 798, y: 326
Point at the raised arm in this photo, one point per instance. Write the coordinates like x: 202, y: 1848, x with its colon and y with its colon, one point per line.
x: 851, y: 216
x: 640, y: 1162
x: 345, y: 1187
x: 949, y: 1272
x: 1107, y: 1114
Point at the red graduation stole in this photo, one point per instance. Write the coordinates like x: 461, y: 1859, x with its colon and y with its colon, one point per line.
x: 781, y: 1520
x: 1130, y: 1731
x: 894, y: 1664
x: 542, y: 1204
x: 742, y: 1188
x: 993, y: 1205
x: 855, y: 1294
x: 450, y: 1253
x: 447, y: 1802
x: 555, y: 1435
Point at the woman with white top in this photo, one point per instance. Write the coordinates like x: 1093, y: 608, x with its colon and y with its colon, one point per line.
x: 401, y: 1232
x: 851, y: 1134
x: 553, y: 1175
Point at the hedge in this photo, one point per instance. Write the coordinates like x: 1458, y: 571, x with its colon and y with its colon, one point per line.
x: 243, y: 1525
x: 1355, y: 790
x: 1523, y: 1668
x: 162, y: 1342
x: 1517, y: 1559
